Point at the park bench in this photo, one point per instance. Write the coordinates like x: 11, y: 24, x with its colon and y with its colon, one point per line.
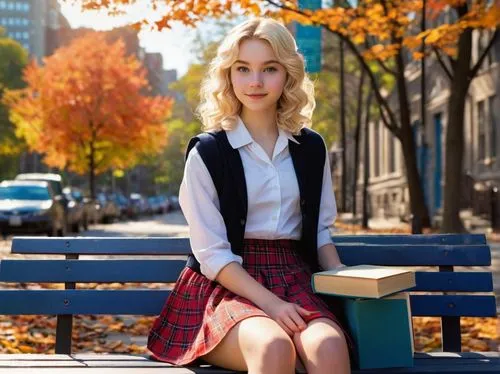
x: 445, y: 293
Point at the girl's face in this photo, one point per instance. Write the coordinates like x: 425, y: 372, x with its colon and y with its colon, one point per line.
x: 257, y: 77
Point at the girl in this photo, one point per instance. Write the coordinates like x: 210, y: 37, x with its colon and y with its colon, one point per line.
x: 258, y: 198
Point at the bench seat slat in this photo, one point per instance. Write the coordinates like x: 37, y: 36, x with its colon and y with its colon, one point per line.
x: 442, y: 362
x: 56, y: 271
x: 351, y: 253
x: 128, y: 271
x: 149, y: 302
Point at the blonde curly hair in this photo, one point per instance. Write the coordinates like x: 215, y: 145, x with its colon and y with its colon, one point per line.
x: 219, y: 107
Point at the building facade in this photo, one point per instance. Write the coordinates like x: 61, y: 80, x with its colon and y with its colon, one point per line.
x: 33, y: 23
x: 388, y: 190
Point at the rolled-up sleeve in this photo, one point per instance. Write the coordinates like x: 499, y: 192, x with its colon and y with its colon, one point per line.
x: 207, y: 232
x: 328, y: 206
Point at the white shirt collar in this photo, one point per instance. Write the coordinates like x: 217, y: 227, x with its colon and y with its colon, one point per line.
x: 240, y: 136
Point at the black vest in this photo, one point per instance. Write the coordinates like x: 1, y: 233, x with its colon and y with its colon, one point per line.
x: 226, y: 169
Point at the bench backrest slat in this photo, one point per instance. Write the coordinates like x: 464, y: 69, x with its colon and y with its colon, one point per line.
x: 49, y: 302
x: 453, y: 281
x: 150, y: 302
x: 415, y: 255
x: 453, y: 239
x: 60, y: 271
x: 394, y: 254
x: 165, y: 271
x: 453, y: 305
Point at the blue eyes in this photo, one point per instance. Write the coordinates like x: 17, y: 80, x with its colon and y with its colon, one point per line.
x: 244, y: 69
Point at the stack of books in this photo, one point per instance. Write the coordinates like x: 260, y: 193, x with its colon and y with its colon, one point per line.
x: 377, y: 310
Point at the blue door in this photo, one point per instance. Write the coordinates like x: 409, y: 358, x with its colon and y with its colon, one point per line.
x: 438, y: 164
x: 421, y: 150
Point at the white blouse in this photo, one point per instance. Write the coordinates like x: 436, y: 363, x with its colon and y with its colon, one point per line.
x: 273, y: 200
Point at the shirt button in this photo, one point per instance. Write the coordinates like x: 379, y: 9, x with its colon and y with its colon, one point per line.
x: 242, y: 221
x: 302, y: 202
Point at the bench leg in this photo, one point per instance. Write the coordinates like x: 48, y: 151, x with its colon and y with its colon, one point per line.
x: 64, y: 330
x: 450, y: 327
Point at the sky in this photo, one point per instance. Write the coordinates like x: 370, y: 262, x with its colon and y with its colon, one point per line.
x: 174, y: 44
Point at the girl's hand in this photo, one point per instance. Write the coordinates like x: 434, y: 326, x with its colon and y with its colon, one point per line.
x: 288, y: 316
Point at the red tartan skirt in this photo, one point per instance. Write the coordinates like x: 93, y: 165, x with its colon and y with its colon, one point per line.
x: 199, y: 312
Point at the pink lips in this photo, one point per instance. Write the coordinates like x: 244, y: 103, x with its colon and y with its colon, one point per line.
x: 260, y: 96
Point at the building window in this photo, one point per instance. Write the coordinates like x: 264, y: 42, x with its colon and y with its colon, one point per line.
x: 487, y: 119
x: 483, y: 39
x: 3, y: 4
x: 481, y: 144
x: 392, y: 158
x: 376, y: 145
x: 493, y: 125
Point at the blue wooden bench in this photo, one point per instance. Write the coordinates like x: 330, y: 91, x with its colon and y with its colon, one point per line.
x: 444, y: 293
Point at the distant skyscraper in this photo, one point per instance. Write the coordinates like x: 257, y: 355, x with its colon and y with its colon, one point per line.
x: 33, y: 23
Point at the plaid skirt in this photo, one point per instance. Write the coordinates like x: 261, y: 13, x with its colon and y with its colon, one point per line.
x: 199, y: 312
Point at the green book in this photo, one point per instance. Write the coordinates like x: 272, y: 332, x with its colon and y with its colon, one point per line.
x: 382, y: 331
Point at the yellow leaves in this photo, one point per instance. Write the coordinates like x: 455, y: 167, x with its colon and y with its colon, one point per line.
x: 381, y: 52
x: 359, y: 38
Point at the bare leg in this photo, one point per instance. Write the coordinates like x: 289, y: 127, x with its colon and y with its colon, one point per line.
x: 323, y: 348
x: 256, y: 344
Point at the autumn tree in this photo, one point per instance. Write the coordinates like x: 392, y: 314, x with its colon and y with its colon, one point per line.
x: 13, y: 59
x: 86, y: 108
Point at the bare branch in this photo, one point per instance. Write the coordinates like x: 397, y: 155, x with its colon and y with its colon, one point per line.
x: 442, y: 63
x: 479, y: 62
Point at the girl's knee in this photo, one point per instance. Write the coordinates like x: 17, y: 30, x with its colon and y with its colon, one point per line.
x: 274, y: 353
x: 333, y: 347
x: 278, y: 346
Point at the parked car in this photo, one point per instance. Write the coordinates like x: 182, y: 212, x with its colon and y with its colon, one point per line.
x: 30, y: 207
x: 109, y: 209
x: 55, y: 181
x: 154, y: 204
x: 164, y: 204
x: 122, y: 202
x: 92, y: 212
x: 75, y: 207
x: 140, y: 203
x: 174, y: 202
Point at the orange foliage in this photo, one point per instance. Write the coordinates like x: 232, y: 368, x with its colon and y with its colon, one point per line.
x: 393, y: 24
x: 89, y: 102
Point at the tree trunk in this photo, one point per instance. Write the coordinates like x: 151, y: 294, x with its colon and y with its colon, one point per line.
x: 417, y: 200
x: 455, y: 136
x: 92, y: 171
x: 357, y: 133
x: 343, y: 128
x: 366, y: 162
